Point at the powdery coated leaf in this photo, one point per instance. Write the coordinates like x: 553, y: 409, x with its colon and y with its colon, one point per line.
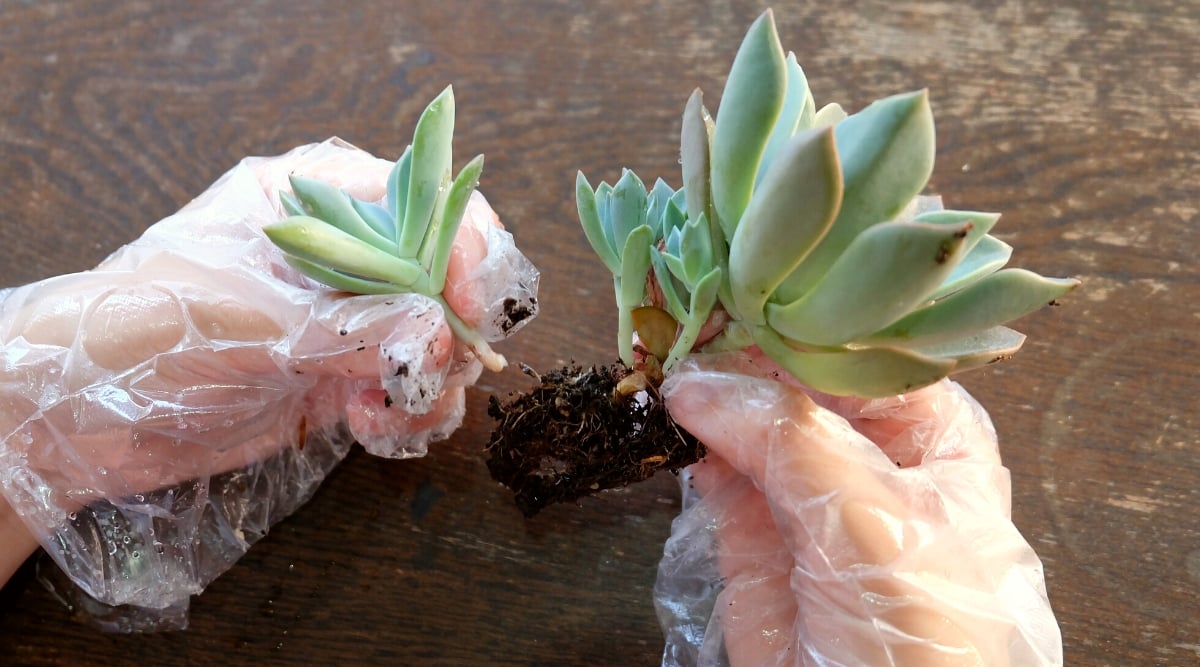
x: 750, y: 105
x: 593, y: 226
x: 995, y: 299
x: 627, y: 207
x: 796, y: 115
x: 790, y: 213
x: 981, y: 223
x: 397, y: 187
x: 656, y: 205
x: 378, y: 217
x: 886, y: 153
x: 885, y: 273
x: 316, y: 242
x: 987, y: 257
x: 442, y: 236
x: 338, y: 280
x: 668, y: 284
x: 870, y: 373
x: 987, y: 347
x: 696, y: 249
x: 327, y: 203
x: 694, y: 147
x: 431, y: 155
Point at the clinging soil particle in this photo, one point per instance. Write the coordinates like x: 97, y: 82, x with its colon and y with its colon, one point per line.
x: 574, y: 435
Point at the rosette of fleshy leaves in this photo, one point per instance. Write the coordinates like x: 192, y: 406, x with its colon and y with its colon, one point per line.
x: 806, y: 226
x: 403, y: 246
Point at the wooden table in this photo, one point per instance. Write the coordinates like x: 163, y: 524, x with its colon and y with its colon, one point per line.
x: 1079, y: 122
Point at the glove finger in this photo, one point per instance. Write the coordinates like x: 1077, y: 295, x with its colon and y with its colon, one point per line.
x: 827, y: 491
x: 489, y: 283
x: 384, y: 429
x: 756, y: 610
x: 938, y: 422
x: 334, y: 161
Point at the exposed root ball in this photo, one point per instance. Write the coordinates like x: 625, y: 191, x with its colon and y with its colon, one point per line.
x: 573, y: 436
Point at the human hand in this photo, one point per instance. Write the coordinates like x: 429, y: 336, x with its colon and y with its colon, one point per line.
x: 161, y: 411
x: 838, y: 531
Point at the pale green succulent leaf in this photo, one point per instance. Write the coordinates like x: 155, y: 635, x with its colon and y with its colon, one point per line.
x: 442, y: 236
x: 325, y: 202
x: 750, y: 105
x: 981, y: 223
x: 630, y: 286
x: 341, y: 281
x: 696, y: 250
x: 869, y: 373
x: 656, y: 205
x: 993, y: 300
x: 983, y: 348
x: 593, y: 227
x: 679, y: 199
x: 675, y: 265
x: 397, y: 186
x: 291, y: 205
x: 886, y: 272
x: 808, y: 113
x: 886, y: 153
x: 694, y: 154
x: 603, y: 206
x: 795, y: 101
x: 635, y: 266
x: 704, y: 294
x: 314, y: 241
x: 704, y: 297
x: 431, y: 155
x: 829, y: 115
x: 667, y: 285
x: 673, y: 219
x: 377, y: 217
x: 673, y: 242
x: 988, y: 256
x: 627, y: 207
x: 790, y: 213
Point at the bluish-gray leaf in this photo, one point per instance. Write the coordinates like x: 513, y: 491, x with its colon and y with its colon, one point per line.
x: 593, y: 228
x: 750, y: 104
x: 886, y: 152
x: 431, y: 155
x: 868, y: 373
x: 993, y: 300
x: 325, y: 202
x: 627, y: 207
x: 788, y: 216
x: 884, y: 273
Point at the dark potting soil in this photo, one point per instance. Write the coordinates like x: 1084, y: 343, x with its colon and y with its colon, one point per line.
x: 574, y: 435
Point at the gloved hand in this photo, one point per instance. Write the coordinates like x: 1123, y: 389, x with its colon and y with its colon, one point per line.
x: 159, y: 413
x: 836, y: 531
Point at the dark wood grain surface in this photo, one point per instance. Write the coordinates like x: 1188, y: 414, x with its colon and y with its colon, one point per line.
x: 1077, y: 119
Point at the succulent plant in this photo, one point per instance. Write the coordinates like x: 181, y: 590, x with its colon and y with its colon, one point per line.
x: 403, y: 246
x: 807, y: 227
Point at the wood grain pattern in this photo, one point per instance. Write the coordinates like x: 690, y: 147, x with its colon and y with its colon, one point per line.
x: 1078, y: 120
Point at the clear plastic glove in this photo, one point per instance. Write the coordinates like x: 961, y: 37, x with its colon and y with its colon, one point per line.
x: 159, y: 413
x: 835, y: 531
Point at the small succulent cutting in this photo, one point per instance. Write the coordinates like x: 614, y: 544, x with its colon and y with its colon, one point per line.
x: 402, y: 246
x: 797, y: 230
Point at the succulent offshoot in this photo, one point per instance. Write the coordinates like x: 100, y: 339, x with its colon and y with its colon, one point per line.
x: 806, y: 226
x: 401, y: 247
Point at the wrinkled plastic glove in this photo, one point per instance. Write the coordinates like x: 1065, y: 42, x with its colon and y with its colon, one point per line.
x: 159, y: 413
x: 836, y: 531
